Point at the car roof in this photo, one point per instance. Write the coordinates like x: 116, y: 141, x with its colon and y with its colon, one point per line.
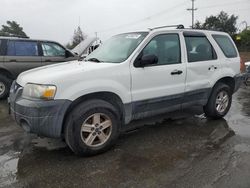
x: 187, y: 30
x: 167, y: 30
x: 28, y: 39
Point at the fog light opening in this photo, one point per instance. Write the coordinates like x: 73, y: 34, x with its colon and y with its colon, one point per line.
x: 25, y: 125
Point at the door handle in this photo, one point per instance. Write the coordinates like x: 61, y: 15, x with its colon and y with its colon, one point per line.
x: 212, y: 67
x: 176, y: 72
x: 47, y: 60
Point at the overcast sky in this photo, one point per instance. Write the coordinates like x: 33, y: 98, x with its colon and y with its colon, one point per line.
x: 57, y: 19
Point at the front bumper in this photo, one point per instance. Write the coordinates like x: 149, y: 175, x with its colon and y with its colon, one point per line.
x: 44, y: 118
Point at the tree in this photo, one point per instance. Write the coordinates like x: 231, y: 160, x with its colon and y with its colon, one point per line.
x: 12, y: 29
x: 78, y: 37
x: 244, y: 42
x: 221, y: 22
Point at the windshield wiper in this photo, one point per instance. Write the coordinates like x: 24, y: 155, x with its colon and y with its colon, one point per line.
x: 94, y: 60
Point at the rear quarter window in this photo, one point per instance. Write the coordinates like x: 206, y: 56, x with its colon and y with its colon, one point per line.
x: 22, y: 48
x: 226, y: 45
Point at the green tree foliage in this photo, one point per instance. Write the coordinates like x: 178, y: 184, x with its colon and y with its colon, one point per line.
x: 12, y: 28
x: 78, y: 37
x: 221, y: 22
x: 244, y: 42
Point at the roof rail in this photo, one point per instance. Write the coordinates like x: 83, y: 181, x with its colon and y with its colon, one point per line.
x: 180, y: 26
x: 17, y: 36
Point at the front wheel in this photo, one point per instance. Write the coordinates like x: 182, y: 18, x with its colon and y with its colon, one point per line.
x: 219, y: 101
x: 92, y: 127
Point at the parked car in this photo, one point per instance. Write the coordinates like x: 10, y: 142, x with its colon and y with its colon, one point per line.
x: 131, y: 76
x: 21, y: 54
x: 86, y: 47
x: 247, y: 64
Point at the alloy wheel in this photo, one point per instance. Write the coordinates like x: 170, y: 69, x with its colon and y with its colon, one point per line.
x: 96, y: 130
x: 222, y: 101
x: 2, y: 88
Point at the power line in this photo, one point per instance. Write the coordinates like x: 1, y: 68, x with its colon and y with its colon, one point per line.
x: 167, y: 11
x: 224, y: 4
x: 192, y: 10
x: 145, y: 18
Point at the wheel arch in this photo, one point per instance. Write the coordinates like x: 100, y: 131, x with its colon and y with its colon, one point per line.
x: 110, y: 97
x: 230, y: 81
x: 6, y: 73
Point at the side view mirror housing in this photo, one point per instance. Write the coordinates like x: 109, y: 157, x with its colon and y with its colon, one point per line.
x: 147, y: 60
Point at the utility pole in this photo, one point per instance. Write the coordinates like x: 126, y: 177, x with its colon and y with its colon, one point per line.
x: 192, y: 9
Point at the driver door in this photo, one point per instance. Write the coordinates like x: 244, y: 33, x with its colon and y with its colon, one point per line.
x: 160, y: 87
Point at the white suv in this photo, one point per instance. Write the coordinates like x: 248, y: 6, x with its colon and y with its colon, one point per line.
x: 131, y: 76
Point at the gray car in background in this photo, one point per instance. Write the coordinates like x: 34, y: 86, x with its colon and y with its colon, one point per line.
x: 20, y: 54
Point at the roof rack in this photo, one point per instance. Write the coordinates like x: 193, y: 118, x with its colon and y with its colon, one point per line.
x: 17, y: 36
x: 180, y: 26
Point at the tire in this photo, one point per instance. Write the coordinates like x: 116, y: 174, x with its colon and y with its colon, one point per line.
x: 82, y: 126
x: 218, y: 105
x: 5, y: 84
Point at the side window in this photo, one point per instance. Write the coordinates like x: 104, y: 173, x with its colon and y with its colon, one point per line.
x: 166, y: 47
x: 199, y: 49
x: 1, y: 48
x: 22, y: 48
x: 52, y: 49
x: 226, y: 45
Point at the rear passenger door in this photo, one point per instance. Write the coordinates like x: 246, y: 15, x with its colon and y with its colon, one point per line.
x: 21, y: 55
x: 203, y: 68
x: 53, y: 53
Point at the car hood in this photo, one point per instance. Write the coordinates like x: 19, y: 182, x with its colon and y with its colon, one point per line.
x: 53, y: 74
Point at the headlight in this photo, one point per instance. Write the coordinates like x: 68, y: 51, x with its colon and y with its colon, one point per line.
x: 36, y: 91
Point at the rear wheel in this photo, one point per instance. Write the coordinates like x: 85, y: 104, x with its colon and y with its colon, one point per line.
x: 5, y: 84
x: 219, y: 101
x: 92, y: 127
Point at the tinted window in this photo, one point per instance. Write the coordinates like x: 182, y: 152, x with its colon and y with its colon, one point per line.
x: 22, y: 48
x: 52, y: 49
x: 165, y: 47
x: 199, y: 49
x: 226, y: 45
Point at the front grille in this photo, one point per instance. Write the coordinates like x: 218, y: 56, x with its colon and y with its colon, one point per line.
x: 15, y: 91
x: 16, y: 87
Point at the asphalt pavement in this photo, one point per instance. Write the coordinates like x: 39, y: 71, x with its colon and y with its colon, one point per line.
x: 189, y: 151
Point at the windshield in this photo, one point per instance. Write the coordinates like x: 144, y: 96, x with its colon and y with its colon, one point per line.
x: 118, y: 48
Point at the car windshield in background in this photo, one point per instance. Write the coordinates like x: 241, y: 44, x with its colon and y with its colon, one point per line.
x: 118, y: 48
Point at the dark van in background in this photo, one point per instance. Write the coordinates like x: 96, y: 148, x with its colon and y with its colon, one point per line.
x: 20, y: 54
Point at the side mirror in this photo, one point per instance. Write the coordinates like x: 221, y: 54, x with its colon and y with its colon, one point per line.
x: 148, y: 60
